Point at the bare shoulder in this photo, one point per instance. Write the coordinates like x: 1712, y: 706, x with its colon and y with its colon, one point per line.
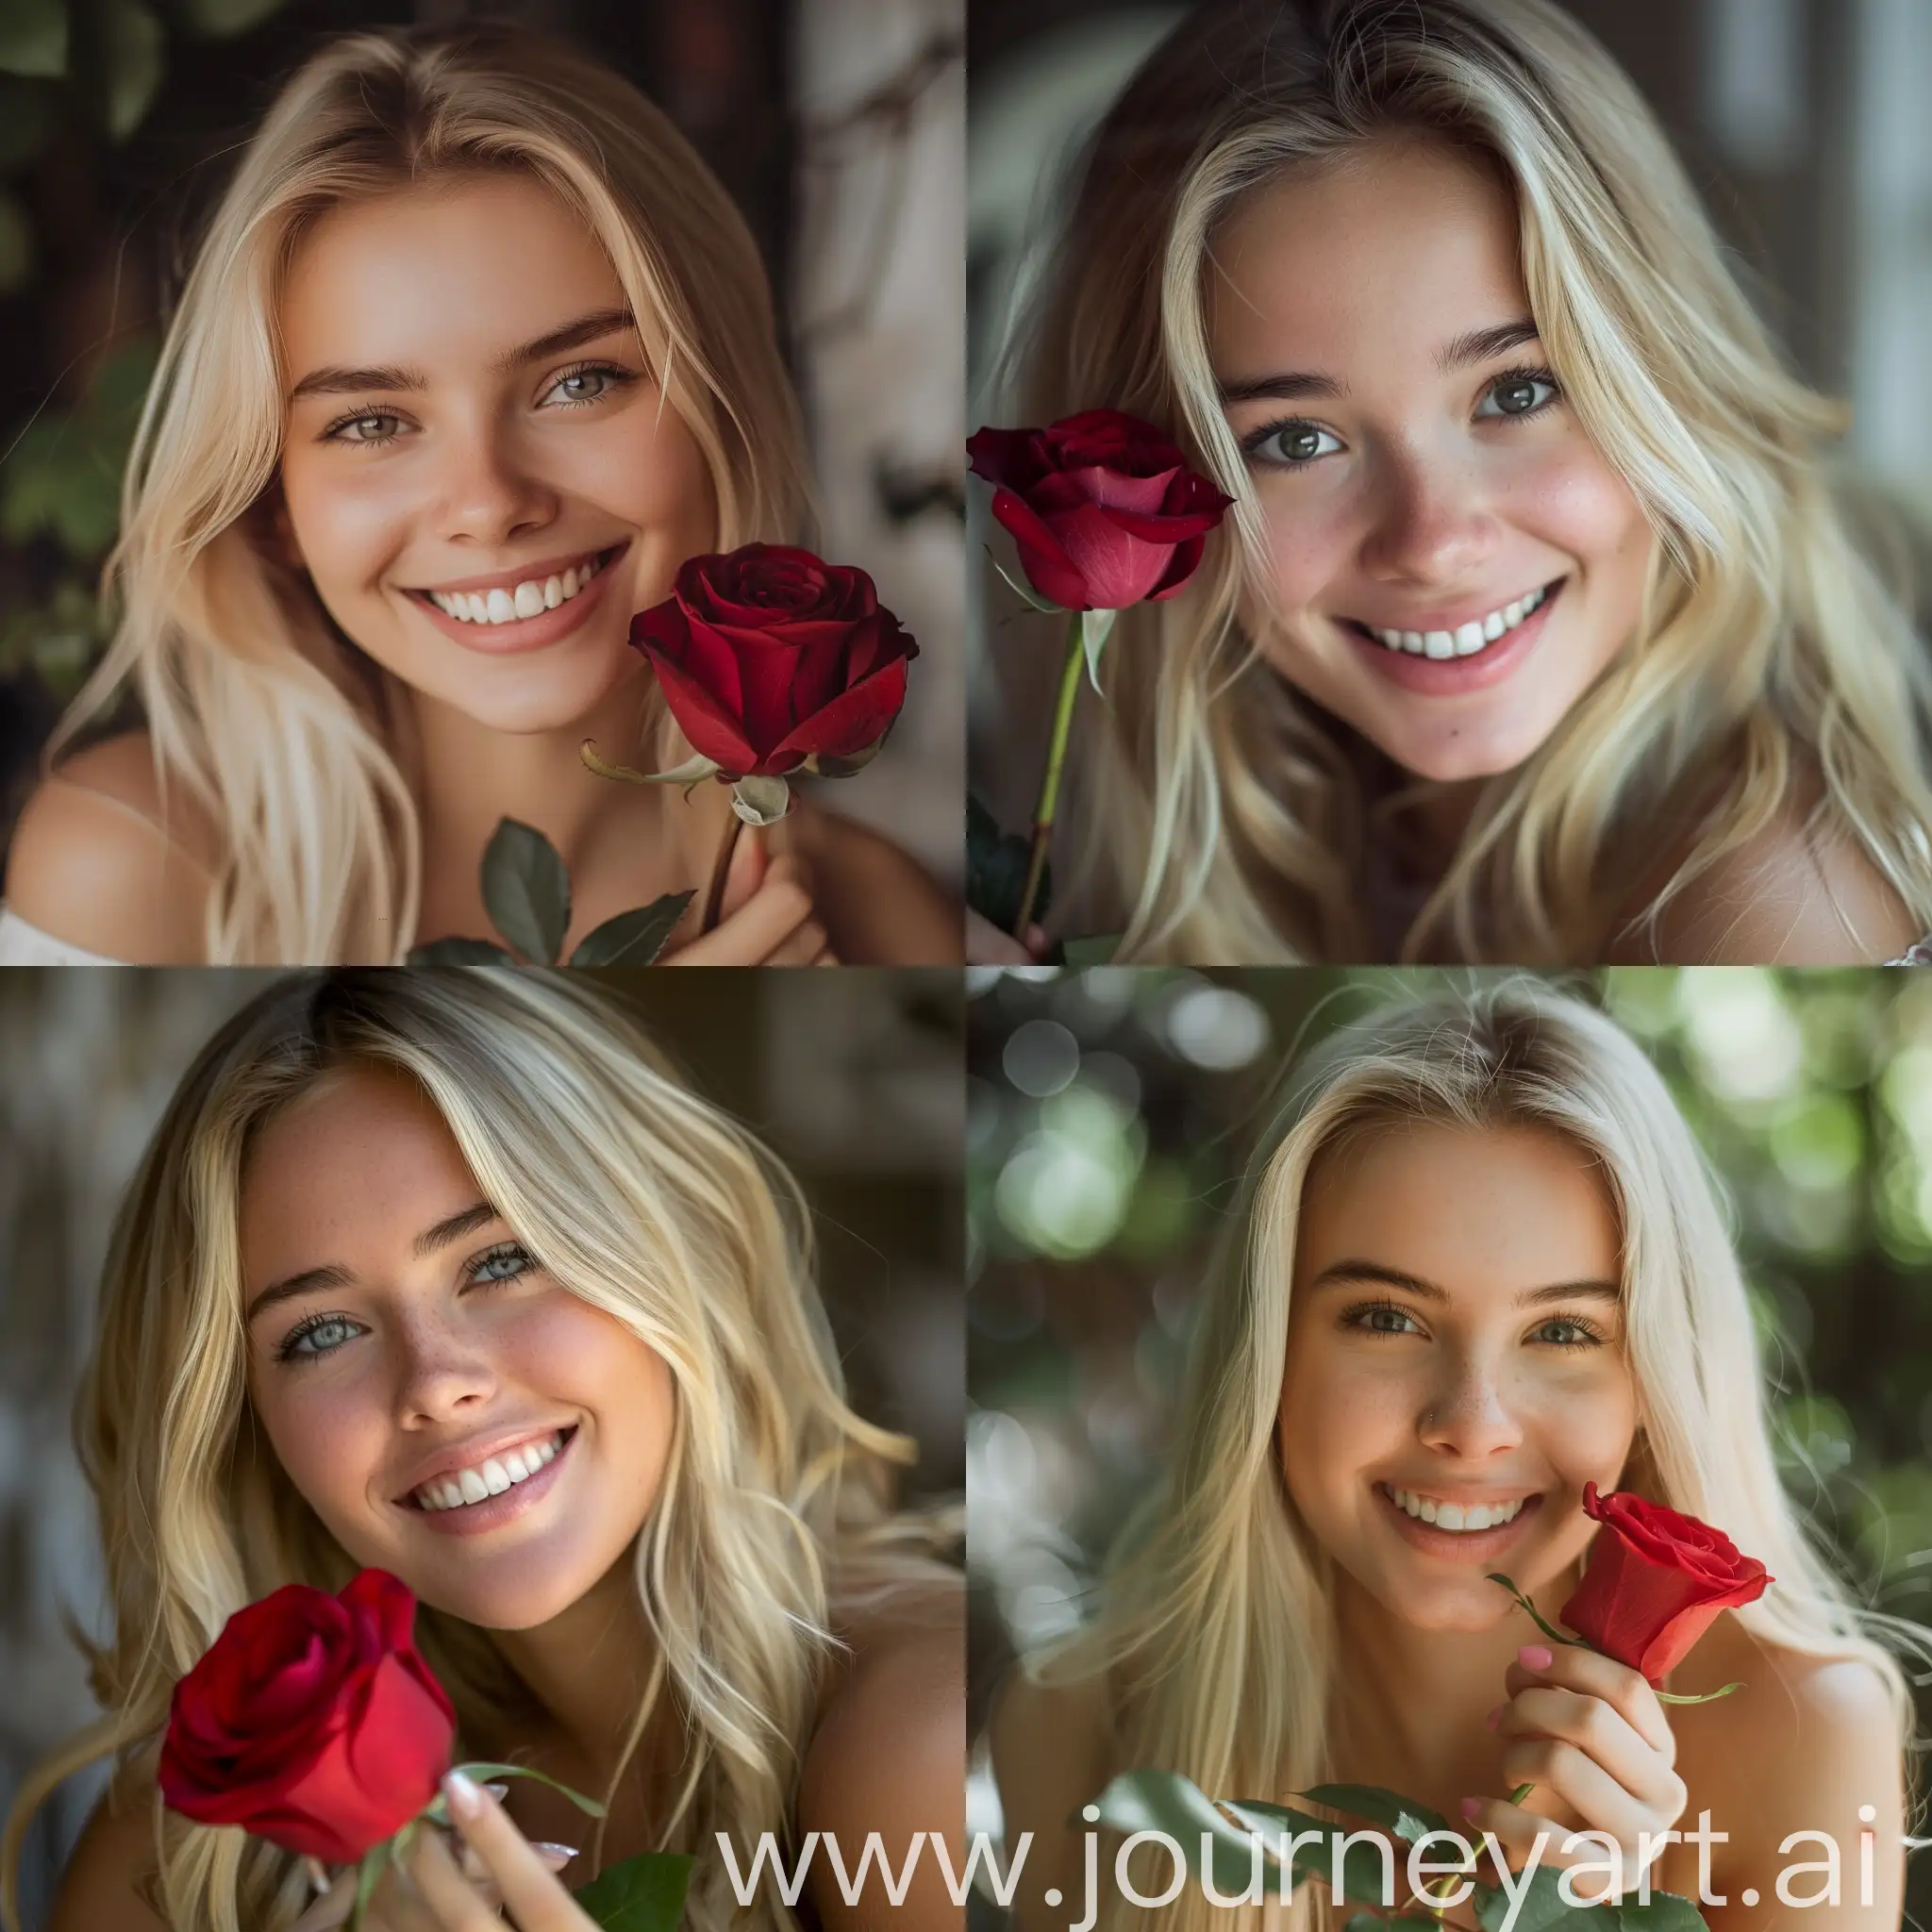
x: 1812, y: 1745
x: 104, y: 859
x: 880, y: 906
x: 889, y: 1756
x: 1052, y: 1751
x: 111, y: 1864
x: 1796, y: 893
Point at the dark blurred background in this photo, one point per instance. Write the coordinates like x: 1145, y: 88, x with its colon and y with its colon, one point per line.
x: 852, y: 1077
x: 1109, y: 1114
x: 839, y: 126
x: 1802, y: 122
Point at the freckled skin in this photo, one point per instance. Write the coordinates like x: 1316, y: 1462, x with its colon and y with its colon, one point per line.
x: 489, y: 469
x: 1477, y: 1390
x: 1362, y: 272
x: 427, y: 1356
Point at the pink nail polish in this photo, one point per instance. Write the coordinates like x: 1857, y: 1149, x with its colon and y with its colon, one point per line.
x: 1469, y: 1807
x: 1533, y: 1657
x: 1494, y: 1716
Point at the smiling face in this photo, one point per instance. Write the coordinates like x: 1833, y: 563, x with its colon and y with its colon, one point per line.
x: 1454, y: 1344
x: 1451, y: 560
x: 422, y: 1331
x: 472, y: 434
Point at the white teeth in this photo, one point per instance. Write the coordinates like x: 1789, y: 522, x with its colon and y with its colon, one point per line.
x: 532, y: 595
x: 1468, y: 639
x: 1454, y: 1516
x: 488, y: 1479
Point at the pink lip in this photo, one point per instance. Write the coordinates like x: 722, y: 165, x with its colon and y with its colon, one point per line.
x: 527, y: 633
x: 510, y: 579
x: 476, y: 1519
x: 1479, y: 1545
x: 1451, y: 676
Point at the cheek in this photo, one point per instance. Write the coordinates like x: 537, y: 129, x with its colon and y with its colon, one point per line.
x: 1339, y: 1415
x: 1310, y: 548
x: 1568, y: 498
x: 346, y: 528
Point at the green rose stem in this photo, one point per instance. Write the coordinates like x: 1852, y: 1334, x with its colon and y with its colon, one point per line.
x: 1522, y: 1791
x: 1050, y: 784
x: 720, y: 866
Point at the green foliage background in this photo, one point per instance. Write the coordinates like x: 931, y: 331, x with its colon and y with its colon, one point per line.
x: 1110, y: 1111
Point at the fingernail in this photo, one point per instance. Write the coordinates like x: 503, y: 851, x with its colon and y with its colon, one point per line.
x: 466, y: 1800
x: 1533, y: 1657
x: 545, y: 1844
x: 497, y: 1792
x: 1494, y: 1716
x: 1469, y: 1807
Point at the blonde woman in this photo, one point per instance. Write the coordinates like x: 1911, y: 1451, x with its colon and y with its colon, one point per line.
x: 389, y: 1223
x: 471, y: 317
x: 1536, y: 633
x: 1476, y: 1261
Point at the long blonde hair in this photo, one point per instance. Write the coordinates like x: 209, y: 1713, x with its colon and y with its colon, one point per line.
x: 260, y: 709
x: 1224, y: 817
x: 776, y: 1509
x: 1214, y: 1620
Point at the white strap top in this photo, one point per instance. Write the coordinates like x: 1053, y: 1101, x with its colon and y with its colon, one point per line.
x: 22, y: 944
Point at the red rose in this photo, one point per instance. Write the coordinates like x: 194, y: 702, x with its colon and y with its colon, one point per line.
x: 311, y: 1722
x: 1104, y: 509
x: 771, y: 655
x: 1656, y: 1582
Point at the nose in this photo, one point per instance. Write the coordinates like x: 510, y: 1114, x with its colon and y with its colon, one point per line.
x: 1431, y: 523
x: 442, y: 1376
x: 488, y: 487
x: 1468, y: 1414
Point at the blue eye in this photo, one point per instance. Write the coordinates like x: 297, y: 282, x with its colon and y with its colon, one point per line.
x: 607, y: 375
x: 337, y: 431
x: 507, y: 1261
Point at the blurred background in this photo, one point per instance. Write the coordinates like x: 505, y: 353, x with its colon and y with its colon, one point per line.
x: 852, y: 1077
x: 1801, y: 122
x: 838, y: 125
x: 1109, y: 1116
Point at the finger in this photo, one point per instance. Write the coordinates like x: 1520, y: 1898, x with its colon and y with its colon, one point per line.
x: 456, y: 1903
x: 746, y: 872
x: 1515, y: 1829
x: 769, y: 917
x: 1583, y: 1785
x: 1598, y: 1729
x: 1572, y: 1668
x: 529, y: 1887
x: 801, y: 948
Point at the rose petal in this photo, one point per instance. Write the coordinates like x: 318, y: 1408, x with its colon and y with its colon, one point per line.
x: 1048, y: 568
x: 703, y: 721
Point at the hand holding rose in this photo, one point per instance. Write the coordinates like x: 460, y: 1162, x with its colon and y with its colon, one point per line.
x: 1590, y: 1732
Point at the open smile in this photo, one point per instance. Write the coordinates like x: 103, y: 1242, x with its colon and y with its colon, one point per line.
x: 1479, y: 650
x: 521, y: 609
x: 1467, y: 1531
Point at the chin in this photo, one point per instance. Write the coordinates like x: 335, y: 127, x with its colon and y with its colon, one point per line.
x: 1485, y: 751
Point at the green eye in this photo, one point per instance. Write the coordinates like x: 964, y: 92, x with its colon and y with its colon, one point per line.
x: 1293, y: 445
x: 1521, y: 392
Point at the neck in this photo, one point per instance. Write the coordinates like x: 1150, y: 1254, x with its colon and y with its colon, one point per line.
x: 1410, y: 1703
x: 589, y: 1665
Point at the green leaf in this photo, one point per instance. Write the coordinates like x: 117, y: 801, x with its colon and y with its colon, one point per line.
x: 458, y: 951
x: 134, y: 50
x: 1095, y: 949
x: 1022, y: 592
x: 996, y: 870
x: 33, y: 37
x: 634, y: 938
x: 1543, y: 1907
x: 481, y: 1771
x: 527, y: 890
x: 218, y: 18
x: 1666, y: 1912
x: 1408, y: 1819
x: 1705, y: 1697
x: 641, y: 1894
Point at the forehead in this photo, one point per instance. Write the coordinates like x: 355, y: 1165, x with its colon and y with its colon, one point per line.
x: 1480, y: 1211
x: 361, y: 1162
x: 441, y: 276
x: 1390, y: 250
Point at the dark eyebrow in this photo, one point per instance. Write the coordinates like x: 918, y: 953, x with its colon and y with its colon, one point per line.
x: 1352, y: 1270
x: 333, y: 1275
x: 1477, y: 345
x: 335, y: 381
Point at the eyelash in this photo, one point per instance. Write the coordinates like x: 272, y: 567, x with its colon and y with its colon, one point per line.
x: 1252, y: 442
x: 620, y: 378
x: 286, y: 1352
x: 1351, y: 1319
